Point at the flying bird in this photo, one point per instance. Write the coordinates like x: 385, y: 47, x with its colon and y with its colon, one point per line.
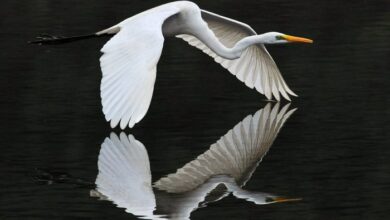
x: 125, y: 177
x: 130, y: 57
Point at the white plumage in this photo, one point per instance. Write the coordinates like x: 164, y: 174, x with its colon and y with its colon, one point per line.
x: 129, y: 64
x: 255, y: 67
x: 125, y: 178
x: 124, y: 174
x: 129, y: 60
x: 131, y: 56
x: 236, y: 154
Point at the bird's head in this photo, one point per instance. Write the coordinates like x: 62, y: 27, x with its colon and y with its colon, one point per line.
x: 280, y: 38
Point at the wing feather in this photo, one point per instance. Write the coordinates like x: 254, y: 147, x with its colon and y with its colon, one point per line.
x: 129, y: 64
x: 237, y: 153
x: 255, y: 67
x: 124, y: 174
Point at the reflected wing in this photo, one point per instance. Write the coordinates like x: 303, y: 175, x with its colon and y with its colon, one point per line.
x: 129, y: 67
x: 255, y: 67
x: 124, y: 174
x: 236, y: 154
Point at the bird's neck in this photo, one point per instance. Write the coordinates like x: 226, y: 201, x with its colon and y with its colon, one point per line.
x: 244, y: 43
x: 206, y: 36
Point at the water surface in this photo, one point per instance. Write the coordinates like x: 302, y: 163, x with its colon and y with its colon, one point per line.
x: 332, y: 152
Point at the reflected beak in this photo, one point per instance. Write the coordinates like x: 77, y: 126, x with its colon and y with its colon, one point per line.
x: 290, y: 38
x: 282, y: 199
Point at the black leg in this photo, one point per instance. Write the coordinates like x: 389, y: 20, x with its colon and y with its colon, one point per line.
x: 45, y: 39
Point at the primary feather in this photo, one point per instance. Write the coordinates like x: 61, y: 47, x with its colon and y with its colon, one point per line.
x: 255, y: 67
x: 124, y: 174
x: 237, y: 153
x: 129, y: 64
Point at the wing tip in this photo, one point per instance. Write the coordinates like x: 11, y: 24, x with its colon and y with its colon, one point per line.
x: 293, y: 93
x: 121, y: 125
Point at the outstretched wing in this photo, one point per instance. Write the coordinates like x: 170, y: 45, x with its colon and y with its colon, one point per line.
x: 124, y: 174
x: 129, y: 66
x: 236, y: 154
x: 255, y: 67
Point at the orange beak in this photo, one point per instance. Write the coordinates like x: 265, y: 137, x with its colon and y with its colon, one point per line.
x: 282, y: 199
x: 297, y: 39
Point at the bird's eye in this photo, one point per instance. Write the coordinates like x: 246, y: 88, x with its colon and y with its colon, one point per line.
x: 279, y: 37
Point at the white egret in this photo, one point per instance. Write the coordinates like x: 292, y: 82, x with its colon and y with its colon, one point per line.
x: 125, y: 177
x: 130, y: 57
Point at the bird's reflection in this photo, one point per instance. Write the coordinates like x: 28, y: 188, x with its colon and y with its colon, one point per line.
x: 125, y: 178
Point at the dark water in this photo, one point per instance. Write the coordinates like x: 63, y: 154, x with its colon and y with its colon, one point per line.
x: 333, y: 152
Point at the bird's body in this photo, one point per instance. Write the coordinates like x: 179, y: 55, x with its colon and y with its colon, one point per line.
x: 130, y: 57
